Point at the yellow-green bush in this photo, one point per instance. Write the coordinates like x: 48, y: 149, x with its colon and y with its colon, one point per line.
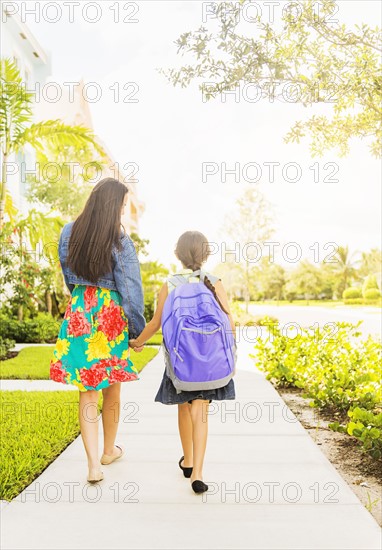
x: 336, y: 369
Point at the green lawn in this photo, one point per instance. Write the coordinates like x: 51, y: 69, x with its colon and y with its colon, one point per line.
x: 32, y: 363
x: 155, y: 340
x: 35, y: 428
x: 141, y: 359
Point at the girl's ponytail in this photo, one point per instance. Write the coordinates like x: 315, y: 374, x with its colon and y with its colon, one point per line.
x: 193, y: 249
x: 209, y: 285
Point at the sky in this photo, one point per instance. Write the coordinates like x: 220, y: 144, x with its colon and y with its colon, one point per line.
x: 170, y: 132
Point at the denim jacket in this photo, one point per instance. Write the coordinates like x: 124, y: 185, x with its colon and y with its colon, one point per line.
x: 125, y: 277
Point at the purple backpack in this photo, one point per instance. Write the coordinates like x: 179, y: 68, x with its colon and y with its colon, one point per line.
x: 198, y: 342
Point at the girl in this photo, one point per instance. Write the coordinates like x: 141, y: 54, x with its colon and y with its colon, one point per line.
x: 102, y: 272
x: 192, y: 250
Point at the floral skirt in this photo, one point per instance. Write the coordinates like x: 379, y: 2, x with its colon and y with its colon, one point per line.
x: 92, y: 349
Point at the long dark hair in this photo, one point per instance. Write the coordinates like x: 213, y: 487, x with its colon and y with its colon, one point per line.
x: 96, y: 229
x: 193, y: 249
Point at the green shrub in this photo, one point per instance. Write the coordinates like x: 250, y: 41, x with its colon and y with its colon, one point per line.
x: 369, y: 283
x: 241, y: 318
x: 372, y: 294
x: 333, y: 367
x: 367, y: 427
x: 351, y: 293
x: 265, y: 320
x: 5, y: 345
x: 41, y: 329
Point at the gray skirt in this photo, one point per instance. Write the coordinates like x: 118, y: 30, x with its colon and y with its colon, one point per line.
x: 168, y: 396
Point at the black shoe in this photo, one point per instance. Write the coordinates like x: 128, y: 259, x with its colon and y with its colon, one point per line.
x: 186, y: 471
x: 199, y: 486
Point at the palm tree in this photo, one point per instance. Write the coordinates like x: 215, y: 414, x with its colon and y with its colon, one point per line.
x: 345, y: 267
x: 24, y: 234
x: 17, y: 129
x: 371, y: 262
x: 38, y: 227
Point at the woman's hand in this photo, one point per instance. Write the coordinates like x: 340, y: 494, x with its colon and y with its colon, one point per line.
x: 136, y: 348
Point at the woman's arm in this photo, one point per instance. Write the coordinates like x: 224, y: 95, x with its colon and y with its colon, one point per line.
x: 127, y: 276
x: 62, y: 259
x: 222, y: 295
x: 154, y: 325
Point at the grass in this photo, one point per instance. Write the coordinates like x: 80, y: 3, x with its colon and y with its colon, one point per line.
x: 32, y: 363
x: 141, y: 359
x: 155, y: 340
x: 35, y: 428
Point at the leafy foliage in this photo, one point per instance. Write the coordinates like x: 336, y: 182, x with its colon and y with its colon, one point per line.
x: 5, y: 345
x: 153, y: 276
x: 42, y: 328
x: 334, y: 368
x: 316, y: 60
x: 250, y: 222
x: 17, y: 128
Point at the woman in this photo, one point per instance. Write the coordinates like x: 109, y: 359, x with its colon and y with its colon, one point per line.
x: 101, y: 270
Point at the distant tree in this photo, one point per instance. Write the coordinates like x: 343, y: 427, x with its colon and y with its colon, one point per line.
x: 329, y: 280
x: 153, y: 277
x: 231, y: 275
x: 371, y: 262
x: 304, y: 280
x: 25, y: 241
x: 250, y: 225
x: 270, y: 278
x: 345, y: 268
x: 140, y: 244
x: 66, y: 187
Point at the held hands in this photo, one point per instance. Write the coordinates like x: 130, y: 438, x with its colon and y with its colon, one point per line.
x: 136, y: 348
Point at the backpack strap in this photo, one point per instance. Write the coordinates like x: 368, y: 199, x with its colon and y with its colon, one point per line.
x: 177, y: 280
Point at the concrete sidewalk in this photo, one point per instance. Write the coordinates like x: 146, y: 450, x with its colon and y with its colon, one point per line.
x: 270, y: 485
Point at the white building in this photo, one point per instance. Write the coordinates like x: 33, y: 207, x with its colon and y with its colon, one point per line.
x: 19, y: 44
x: 72, y: 108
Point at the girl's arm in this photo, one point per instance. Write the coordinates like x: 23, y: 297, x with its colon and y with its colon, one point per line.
x: 222, y: 295
x: 154, y: 325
